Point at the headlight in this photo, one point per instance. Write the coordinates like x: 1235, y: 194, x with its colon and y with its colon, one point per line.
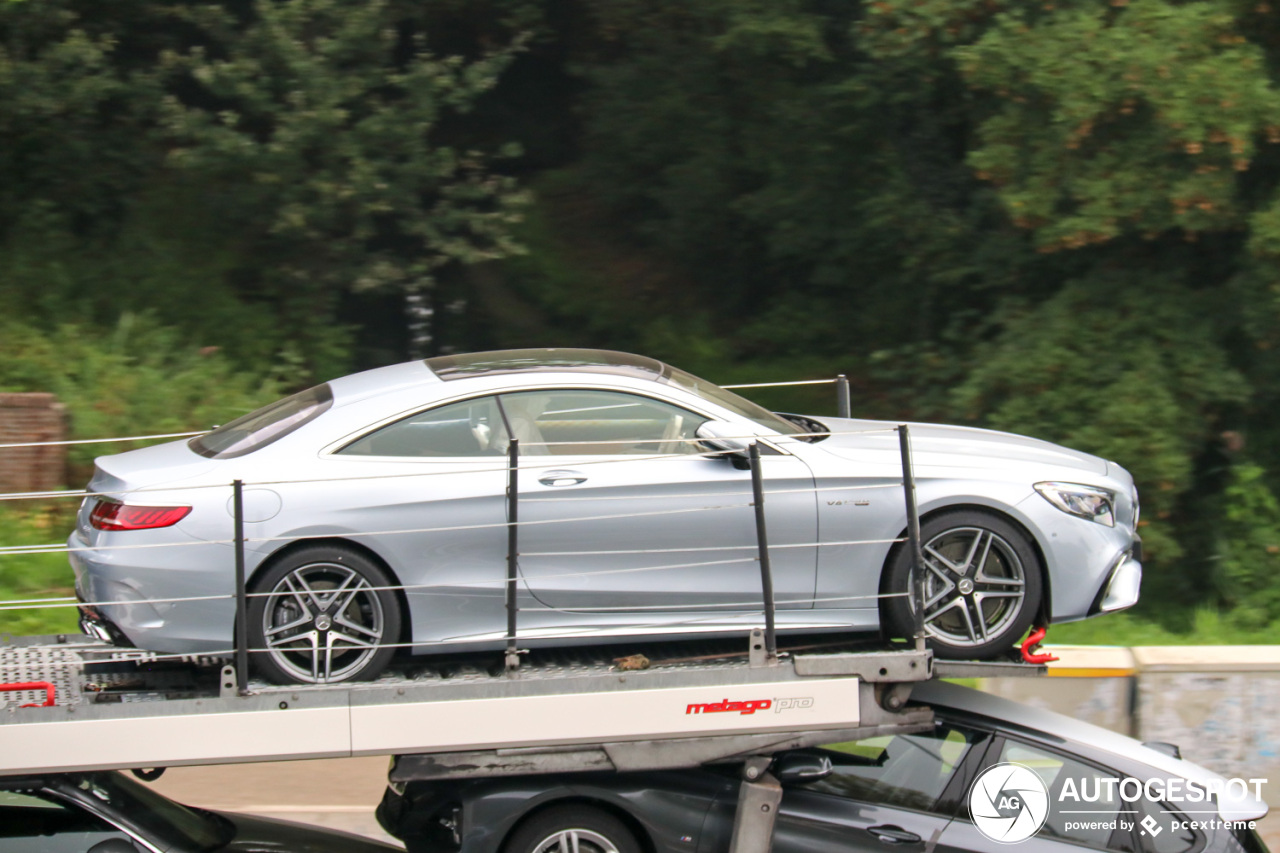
x: 1088, y: 502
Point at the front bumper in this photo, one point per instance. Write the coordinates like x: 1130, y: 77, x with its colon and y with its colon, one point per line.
x: 1123, y: 584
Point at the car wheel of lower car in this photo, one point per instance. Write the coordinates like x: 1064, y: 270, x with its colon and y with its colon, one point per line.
x: 982, y: 585
x: 572, y: 829
x: 322, y: 614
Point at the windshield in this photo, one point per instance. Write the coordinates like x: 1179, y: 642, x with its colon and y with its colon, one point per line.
x: 258, y: 429
x: 158, y: 817
x: 731, y: 401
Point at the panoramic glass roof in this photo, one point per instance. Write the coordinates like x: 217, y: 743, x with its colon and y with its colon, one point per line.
x: 449, y: 367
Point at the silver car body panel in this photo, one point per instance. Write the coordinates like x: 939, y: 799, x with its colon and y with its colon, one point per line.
x: 439, y: 523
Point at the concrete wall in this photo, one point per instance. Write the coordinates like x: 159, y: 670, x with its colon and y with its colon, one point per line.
x: 26, y: 418
x: 1219, y: 704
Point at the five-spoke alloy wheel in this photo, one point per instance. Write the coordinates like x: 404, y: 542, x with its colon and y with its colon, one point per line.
x: 322, y: 614
x: 982, y: 585
x: 572, y: 829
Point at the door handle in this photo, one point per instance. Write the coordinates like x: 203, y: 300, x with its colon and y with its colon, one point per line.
x: 890, y: 834
x: 562, y: 478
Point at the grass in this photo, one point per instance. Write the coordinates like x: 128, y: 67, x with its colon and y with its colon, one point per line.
x: 1203, y: 627
x: 36, y: 576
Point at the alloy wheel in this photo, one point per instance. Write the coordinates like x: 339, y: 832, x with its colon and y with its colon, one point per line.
x: 576, y: 841
x: 974, y: 586
x: 323, y: 622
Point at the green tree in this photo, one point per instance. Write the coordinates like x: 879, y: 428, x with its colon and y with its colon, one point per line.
x: 322, y: 121
x: 291, y: 153
x: 1120, y: 365
x: 1250, y: 547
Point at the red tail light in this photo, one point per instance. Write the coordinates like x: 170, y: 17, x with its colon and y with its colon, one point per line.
x: 109, y: 515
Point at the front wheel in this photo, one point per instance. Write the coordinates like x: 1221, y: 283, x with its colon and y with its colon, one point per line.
x: 321, y: 615
x: 572, y: 829
x: 982, y: 586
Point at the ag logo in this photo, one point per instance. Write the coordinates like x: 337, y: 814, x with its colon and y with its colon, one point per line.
x: 1008, y: 803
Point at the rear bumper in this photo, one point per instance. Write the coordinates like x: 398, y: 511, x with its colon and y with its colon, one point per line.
x: 174, y: 600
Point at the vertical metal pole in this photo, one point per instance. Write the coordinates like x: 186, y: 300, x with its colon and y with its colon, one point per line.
x: 762, y: 542
x: 242, y: 595
x: 844, y: 406
x: 913, y: 533
x: 513, y: 541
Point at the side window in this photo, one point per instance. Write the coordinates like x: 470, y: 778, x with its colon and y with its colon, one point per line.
x: 469, y: 428
x: 1095, y: 822
x: 1166, y: 834
x: 582, y: 422
x: 908, y: 771
x: 32, y: 824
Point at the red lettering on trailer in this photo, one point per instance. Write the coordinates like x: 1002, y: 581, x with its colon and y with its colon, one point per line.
x: 747, y: 706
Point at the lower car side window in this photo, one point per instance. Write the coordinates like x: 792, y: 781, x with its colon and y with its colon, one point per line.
x: 907, y: 771
x: 30, y: 823
x: 1165, y: 830
x: 1084, y: 801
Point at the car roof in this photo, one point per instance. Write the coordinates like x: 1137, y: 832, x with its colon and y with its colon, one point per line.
x: 944, y: 695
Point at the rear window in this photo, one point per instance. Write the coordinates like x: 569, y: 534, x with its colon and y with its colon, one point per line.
x: 258, y: 429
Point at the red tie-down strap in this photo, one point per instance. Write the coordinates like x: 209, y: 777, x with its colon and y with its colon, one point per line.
x: 31, y: 685
x: 1031, y: 643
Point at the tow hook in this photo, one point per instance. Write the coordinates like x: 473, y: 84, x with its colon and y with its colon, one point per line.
x: 1032, y: 643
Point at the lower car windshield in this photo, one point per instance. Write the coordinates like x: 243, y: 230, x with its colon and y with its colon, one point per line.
x: 731, y: 401
x: 178, y: 826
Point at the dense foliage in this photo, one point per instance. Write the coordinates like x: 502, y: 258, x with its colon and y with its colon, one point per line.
x: 1055, y: 218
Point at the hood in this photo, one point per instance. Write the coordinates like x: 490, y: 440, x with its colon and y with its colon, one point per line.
x: 158, y: 465
x: 951, y: 446
x: 268, y: 835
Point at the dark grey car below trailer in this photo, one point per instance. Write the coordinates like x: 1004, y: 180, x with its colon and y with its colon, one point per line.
x: 907, y: 791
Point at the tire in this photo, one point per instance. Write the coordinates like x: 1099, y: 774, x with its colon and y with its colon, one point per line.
x: 572, y: 829
x: 977, y: 563
x: 322, y: 615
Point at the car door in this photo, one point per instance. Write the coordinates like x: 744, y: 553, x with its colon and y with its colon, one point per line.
x: 428, y: 492
x: 622, y: 511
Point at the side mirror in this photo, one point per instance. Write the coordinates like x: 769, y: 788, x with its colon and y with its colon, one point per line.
x: 799, y: 768
x: 719, y: 435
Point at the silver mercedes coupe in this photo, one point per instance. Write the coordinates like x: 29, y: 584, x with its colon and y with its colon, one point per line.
x: 375, y: 518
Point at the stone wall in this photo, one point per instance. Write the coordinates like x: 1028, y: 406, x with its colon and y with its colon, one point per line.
x: 26, y: 418
x: 1217, y: 703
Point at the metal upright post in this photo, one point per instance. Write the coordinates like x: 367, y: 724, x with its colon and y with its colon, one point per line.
x: 513, y: 541
x: 762, y: 543
x: 844, y: 406
x: 759, y: 795
x: 242, y: 595
x: 913, y: 534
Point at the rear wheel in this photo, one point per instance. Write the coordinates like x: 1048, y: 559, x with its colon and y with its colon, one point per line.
x: 572, y: 829
x: 982, y: 585
x: 321, y: 615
